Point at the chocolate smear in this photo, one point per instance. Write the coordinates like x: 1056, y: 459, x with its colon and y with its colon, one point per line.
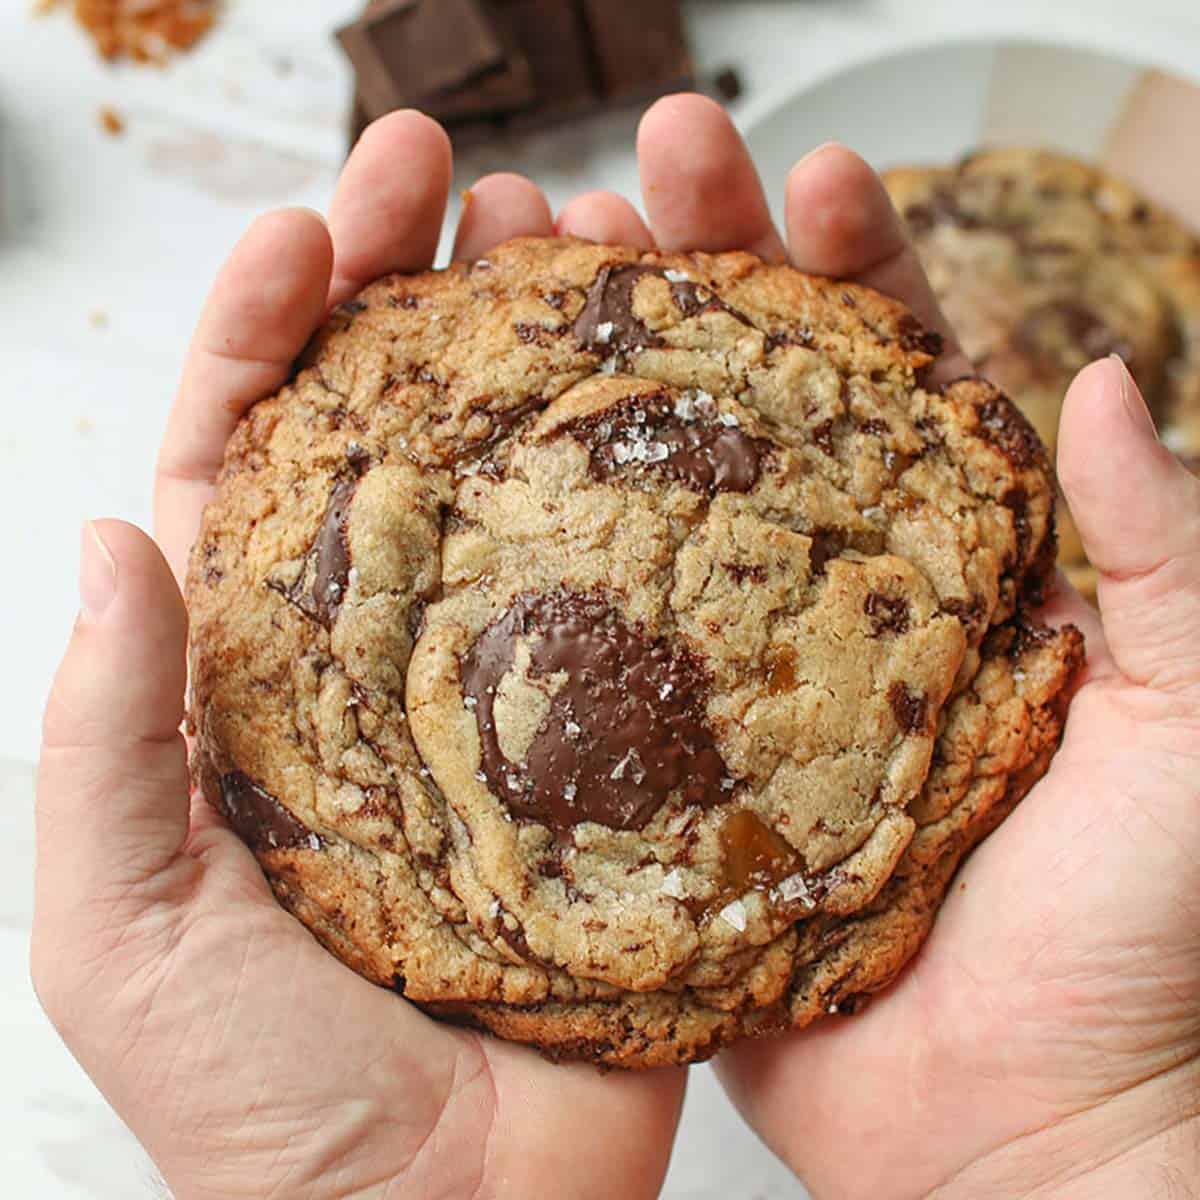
x: 259, y: 819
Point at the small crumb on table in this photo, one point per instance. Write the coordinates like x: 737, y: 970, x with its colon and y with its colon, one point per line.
x: 111, y: 121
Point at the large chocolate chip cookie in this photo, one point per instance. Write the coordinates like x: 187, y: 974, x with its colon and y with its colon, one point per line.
x: 621, y: 652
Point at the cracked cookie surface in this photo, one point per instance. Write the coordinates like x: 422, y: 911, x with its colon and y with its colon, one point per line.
x: 619, y: 652
x: 1042, y: 264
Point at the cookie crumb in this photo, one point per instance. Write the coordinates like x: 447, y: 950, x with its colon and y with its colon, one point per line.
x: 111, y: 121
x: 144, y: 32
x: 98, y: 318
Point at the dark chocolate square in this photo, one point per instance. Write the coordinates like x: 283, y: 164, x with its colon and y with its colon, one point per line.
x: 406, y: 50
x: 639, y: 46
x: 506, y: 89
x: 556, y: 42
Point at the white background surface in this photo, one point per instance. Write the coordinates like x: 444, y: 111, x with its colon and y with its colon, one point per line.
x: 133, y: 228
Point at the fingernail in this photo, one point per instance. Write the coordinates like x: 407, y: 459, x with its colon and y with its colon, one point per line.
x: 1131, y: 398
x: 97, y: 573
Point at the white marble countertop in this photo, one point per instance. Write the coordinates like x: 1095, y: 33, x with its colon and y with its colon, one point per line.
x: 107, y: 246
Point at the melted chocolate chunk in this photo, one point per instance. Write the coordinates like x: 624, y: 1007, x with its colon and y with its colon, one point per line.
x: 608, y: 319
x: 608, y: 322
x: 908, y: 708
x: 623, y: 732
x: 319, y: 590
x: 259, y: 819
x: 321, y: 587
x: 674, y: 438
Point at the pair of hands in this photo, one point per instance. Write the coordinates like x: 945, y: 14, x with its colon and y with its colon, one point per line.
x: 1046, y: 1042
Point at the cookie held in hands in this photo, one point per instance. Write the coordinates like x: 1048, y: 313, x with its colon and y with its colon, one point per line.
x: 619, y: 652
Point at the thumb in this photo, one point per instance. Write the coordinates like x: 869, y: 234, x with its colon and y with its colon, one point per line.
x: 1138, y: 513
x: 112, y: 805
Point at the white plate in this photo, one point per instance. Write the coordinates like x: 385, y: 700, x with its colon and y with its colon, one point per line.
x: 933, y: 103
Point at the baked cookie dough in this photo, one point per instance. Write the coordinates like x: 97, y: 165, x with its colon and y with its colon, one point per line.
x: 619, y: 652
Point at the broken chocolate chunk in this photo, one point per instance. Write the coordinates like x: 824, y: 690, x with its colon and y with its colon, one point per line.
x: 638, y: 47
x: 407, y: 50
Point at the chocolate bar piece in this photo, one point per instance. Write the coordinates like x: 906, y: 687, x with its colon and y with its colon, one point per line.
x: 640, y: 47
x: 407, y: 50
x: 555, y: 39
x: 504, y: 90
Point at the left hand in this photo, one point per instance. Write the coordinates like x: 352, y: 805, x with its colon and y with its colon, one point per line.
x: 246, y: 1059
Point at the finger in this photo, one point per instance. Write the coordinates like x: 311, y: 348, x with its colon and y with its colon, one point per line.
x: 1138, y: 513
x: 841, y: 223
x: 387, y: 211
x: 604, y: 217
x: 699, y: 184
x: 112, y: 803
x: 497, y: 208
x: 262, y: 309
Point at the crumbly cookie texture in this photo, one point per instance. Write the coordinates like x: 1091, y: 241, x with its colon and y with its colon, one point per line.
x: 1042, y: 264
x: 620, y: 652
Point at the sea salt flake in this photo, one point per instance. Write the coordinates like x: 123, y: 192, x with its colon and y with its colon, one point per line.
x: 685, y: 407
x: 482, y: 264
x: 729, y: 420
x: 470, y: 703
x: 352, y: 577
x: 727, y: 783
x: 572, y: 729
x: 609, y: 365
x: 874, y: 513
x: 676, y: 276
x: 314, y: 842
x: 480, y: 777
x: 792, y: 888
x: 705, y: 404
x: 272, y: 838
x: 632, y: 763
x: 657, y: 452
x: 569, y: 792
x: 639, y: 769
x: 664, y: 692
x: 833, y: 1008
x: 604, y: 332
x: 622, y: 452
x: 734, y: 915
x: 672, y: 886
x: 494, y: 910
